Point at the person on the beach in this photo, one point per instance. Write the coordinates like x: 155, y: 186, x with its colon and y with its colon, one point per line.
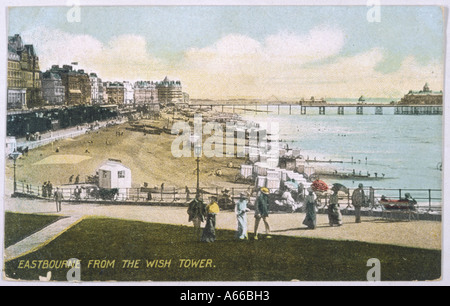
x: 58, y: 199
x: 334, y: 212
x: 358, y: 200
x: 196, y: 211
x: 262, y: 211
x: 310, y: 202
x: 209, y: 232
x: 241, y: 215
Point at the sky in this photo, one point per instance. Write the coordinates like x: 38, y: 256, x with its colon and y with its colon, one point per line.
x: 247, y: 51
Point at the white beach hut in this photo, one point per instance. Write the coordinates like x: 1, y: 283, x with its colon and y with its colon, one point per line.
x: 113, y: 174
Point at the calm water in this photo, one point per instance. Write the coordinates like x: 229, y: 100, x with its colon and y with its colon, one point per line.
x: 406, y: 149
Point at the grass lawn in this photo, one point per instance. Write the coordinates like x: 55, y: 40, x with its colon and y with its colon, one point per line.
x: 19, y: 226
x: 103, y: 245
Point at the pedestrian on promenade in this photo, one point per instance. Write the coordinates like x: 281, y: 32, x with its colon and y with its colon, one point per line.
x: 334, y: 212
x: 77, y: 193
x: 77, y: 179
x: 196, y: 212
x: 44, y: 189
x: 209, y: 232
x: 49, y: 189
x: 188, y: 193
x: 58, y: 199
x: 262, y: 211
x: 241, y: 215
x: 358, y: 200
x: 310, y: 203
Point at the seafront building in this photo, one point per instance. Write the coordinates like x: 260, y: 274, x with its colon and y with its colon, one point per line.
x: 169, y: 91
x: 97, y: 89
x: 77, y: 86
x: 28, y: 87
x: 52, y: 88
x: 145, y: 92
x: 422, y: 97
x: 115, y: 92
x: 128, y: 93
x: 24, y: 76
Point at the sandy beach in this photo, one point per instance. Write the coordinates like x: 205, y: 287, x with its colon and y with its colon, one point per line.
x: 147, y: 155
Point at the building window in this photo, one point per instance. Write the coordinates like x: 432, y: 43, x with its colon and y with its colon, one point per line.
x: 121, y: 174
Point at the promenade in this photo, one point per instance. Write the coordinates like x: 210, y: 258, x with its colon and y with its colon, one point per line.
x: 418, y: 234
x: 51, y: 136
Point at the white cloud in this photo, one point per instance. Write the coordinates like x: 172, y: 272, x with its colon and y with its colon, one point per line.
x: 124, y: 58
x: 321, y: 42
x: 240, y: 66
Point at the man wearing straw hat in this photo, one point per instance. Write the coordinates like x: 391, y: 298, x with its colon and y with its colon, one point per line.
x: 262, y: 211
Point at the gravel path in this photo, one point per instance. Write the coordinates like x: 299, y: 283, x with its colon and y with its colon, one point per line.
x: 420, y: 234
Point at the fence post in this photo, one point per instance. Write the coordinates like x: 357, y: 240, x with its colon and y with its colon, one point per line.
x: 399, y: 194
x: 429, y: 200
x: 174, y: 194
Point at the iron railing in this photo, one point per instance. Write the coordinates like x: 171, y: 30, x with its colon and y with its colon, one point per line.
x: 427, y: 199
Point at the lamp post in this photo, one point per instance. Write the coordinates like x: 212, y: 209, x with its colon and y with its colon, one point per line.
x: 197, y: 153
x: 15, y: 155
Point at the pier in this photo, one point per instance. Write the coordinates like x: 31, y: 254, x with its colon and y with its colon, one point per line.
x: 323, y: 108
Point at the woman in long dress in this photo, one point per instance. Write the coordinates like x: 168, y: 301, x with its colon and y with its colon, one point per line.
x: 241, y: 215
x: 334, y: 212
x: 209, y: 232
x: 310, y: 202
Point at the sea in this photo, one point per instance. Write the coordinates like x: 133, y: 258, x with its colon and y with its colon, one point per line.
x: 405, y: 151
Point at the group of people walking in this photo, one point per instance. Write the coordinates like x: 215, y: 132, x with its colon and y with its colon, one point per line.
x: 334, y: 212
x: 199, y: 212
